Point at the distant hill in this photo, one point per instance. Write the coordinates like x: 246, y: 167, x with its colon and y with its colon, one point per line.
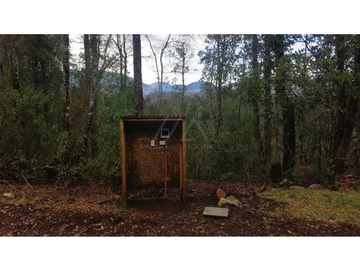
x: 154, y: 87
x: 194, y: 88
x: 110, y: 80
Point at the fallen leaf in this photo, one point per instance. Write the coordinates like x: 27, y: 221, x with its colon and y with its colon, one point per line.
x: 9, y: 195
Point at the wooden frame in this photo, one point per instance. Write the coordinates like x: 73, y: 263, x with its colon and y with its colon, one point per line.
x: 182, y: 149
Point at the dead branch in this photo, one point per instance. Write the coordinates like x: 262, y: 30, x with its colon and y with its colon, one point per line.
x: 26, y: 181
x: 13, y: 187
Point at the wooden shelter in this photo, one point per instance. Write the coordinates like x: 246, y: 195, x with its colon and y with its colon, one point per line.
x: 153, y: 153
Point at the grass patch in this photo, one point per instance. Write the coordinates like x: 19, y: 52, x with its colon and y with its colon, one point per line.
x: 320, y: 205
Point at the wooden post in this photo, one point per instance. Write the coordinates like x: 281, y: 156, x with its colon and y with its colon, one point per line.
x: 183, y: 159
x: 181, y: 171
x: 165, y: 169
x: 123, y: 160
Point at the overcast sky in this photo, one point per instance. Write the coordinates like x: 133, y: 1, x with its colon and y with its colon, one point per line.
x: 148, y: 63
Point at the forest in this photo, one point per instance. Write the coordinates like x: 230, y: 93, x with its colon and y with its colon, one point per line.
x: 273, y: 111
x: 288, y: 99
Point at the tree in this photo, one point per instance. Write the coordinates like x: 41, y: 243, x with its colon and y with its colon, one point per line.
x: 33, y: 115
x: 14, y: 42
x: 1, y: 62
x: 286, y: 104
x: 267, y: 98
x: 182, y: 54
x: 256, y: 88
x: 93, y: 75
x: 91, y: 43
x: 66, y: 68
x: 120, y: 43
x: 220, y: 57
x: 138, y: 93
x: 347, y: 97
x: 159, y: 71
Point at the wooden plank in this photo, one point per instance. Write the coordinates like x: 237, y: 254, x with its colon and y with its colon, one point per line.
x: 123, y: 160
x: 216, y: 211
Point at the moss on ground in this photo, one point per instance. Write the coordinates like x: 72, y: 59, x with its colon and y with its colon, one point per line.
x: 319, y: 205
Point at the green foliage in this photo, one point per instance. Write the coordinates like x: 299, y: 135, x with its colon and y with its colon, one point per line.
x: 32, y: 134
x: 230, y: 156
x: 28, y: 126
x: 107, y: 162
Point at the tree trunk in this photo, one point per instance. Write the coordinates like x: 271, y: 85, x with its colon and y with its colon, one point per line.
x: 36, y: 65
x: 122, y: 76
x: 125, y: 63
x: 119, y: 45
x: 157, y: 70
x: 2, y: 62
x: 138, y: 92
x: 288, y: 108
x: 255, y: 100
x: 219, y: 86
x: 15, y: 64
x: 182, y: 79
x: 162, y: 66
x: 289, y: 142
x: 66, y: 68
x: 267, y: 100
x: 88, y: 80
x: 91, y: 48
x: 347, y: 106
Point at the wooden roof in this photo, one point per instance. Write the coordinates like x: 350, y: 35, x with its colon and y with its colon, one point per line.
x: 152, y: 117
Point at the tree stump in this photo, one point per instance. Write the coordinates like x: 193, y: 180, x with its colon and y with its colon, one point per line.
x: 275, y: 172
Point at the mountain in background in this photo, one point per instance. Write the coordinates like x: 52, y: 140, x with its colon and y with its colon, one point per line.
x: 110, y: 81
x: 154, y: 87
x: 194, y: 88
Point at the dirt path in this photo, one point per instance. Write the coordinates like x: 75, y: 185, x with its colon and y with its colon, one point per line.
x: 97, y: 211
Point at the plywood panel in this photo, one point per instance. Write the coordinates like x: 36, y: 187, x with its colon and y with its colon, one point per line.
x: 216, y: 212
x: 143, y: 164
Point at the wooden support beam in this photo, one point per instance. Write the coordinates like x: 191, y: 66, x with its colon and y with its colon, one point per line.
x: 123, y: 160
x: 183, y: 160
x: 181, y: 171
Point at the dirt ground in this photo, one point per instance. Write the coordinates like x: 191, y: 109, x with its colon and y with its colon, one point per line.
x: 54, y: 210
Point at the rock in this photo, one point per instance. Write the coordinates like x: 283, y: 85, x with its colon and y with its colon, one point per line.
x: 285, y: 181
x: 235, y: 201
x: 9, y: 195
x: 117, y: 197
x: 230, y: 200
x: 295, y: 187
x: 224, y: 201
x: 315, y: 186
x: 220, y: 193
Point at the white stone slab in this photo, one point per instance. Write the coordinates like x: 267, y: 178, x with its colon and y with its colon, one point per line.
x: 216, y: 211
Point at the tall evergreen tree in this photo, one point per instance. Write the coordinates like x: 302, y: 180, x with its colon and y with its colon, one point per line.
x: 255, y: 97
x: 347, y: 97
x: 91, y: 51
x: 286, y: 104
x: 267, y: 98
x: 66, y: 68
